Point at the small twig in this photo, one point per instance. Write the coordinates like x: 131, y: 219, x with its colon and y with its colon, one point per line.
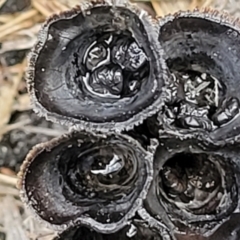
x: 15, y: 28
x: 40, y: 130
x: 181, y: 5
x: 5, y: 18
x: 41, y: 8
x: 12, y: 220
x: 22, y: 42
x: 207, y: 3
x: 157, y: 8
x: 9, y: 91
x: 60, y: 6
x: 194, y: 4
x: 23, y: 103
x: 14, y: 126
x: 2, y: 229
x: 6, y: 190
x: 2, y: 2
x: 47, y: 236
x: 22, y: 17
x: 8, y: 180
x: 69, y: 3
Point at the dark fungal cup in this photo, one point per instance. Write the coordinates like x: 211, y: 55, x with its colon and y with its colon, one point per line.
x: 194, y: 189
x: 202, y: 52
x: 98, y: 67
x: 86, y: 179
x: 138, y: 230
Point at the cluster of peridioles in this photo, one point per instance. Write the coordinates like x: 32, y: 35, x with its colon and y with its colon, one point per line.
x: 153, y: 111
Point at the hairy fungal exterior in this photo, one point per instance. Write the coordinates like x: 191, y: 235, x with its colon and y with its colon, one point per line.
x: 202, y: 52
x: 195, y: 189
x: 98, y: 67
x: 82, y: 178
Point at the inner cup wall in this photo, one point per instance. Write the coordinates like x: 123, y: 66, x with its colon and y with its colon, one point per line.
x: 212, y: 46
x: 65, y: 35
x: 50, y: 189
x: 198, y: 165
